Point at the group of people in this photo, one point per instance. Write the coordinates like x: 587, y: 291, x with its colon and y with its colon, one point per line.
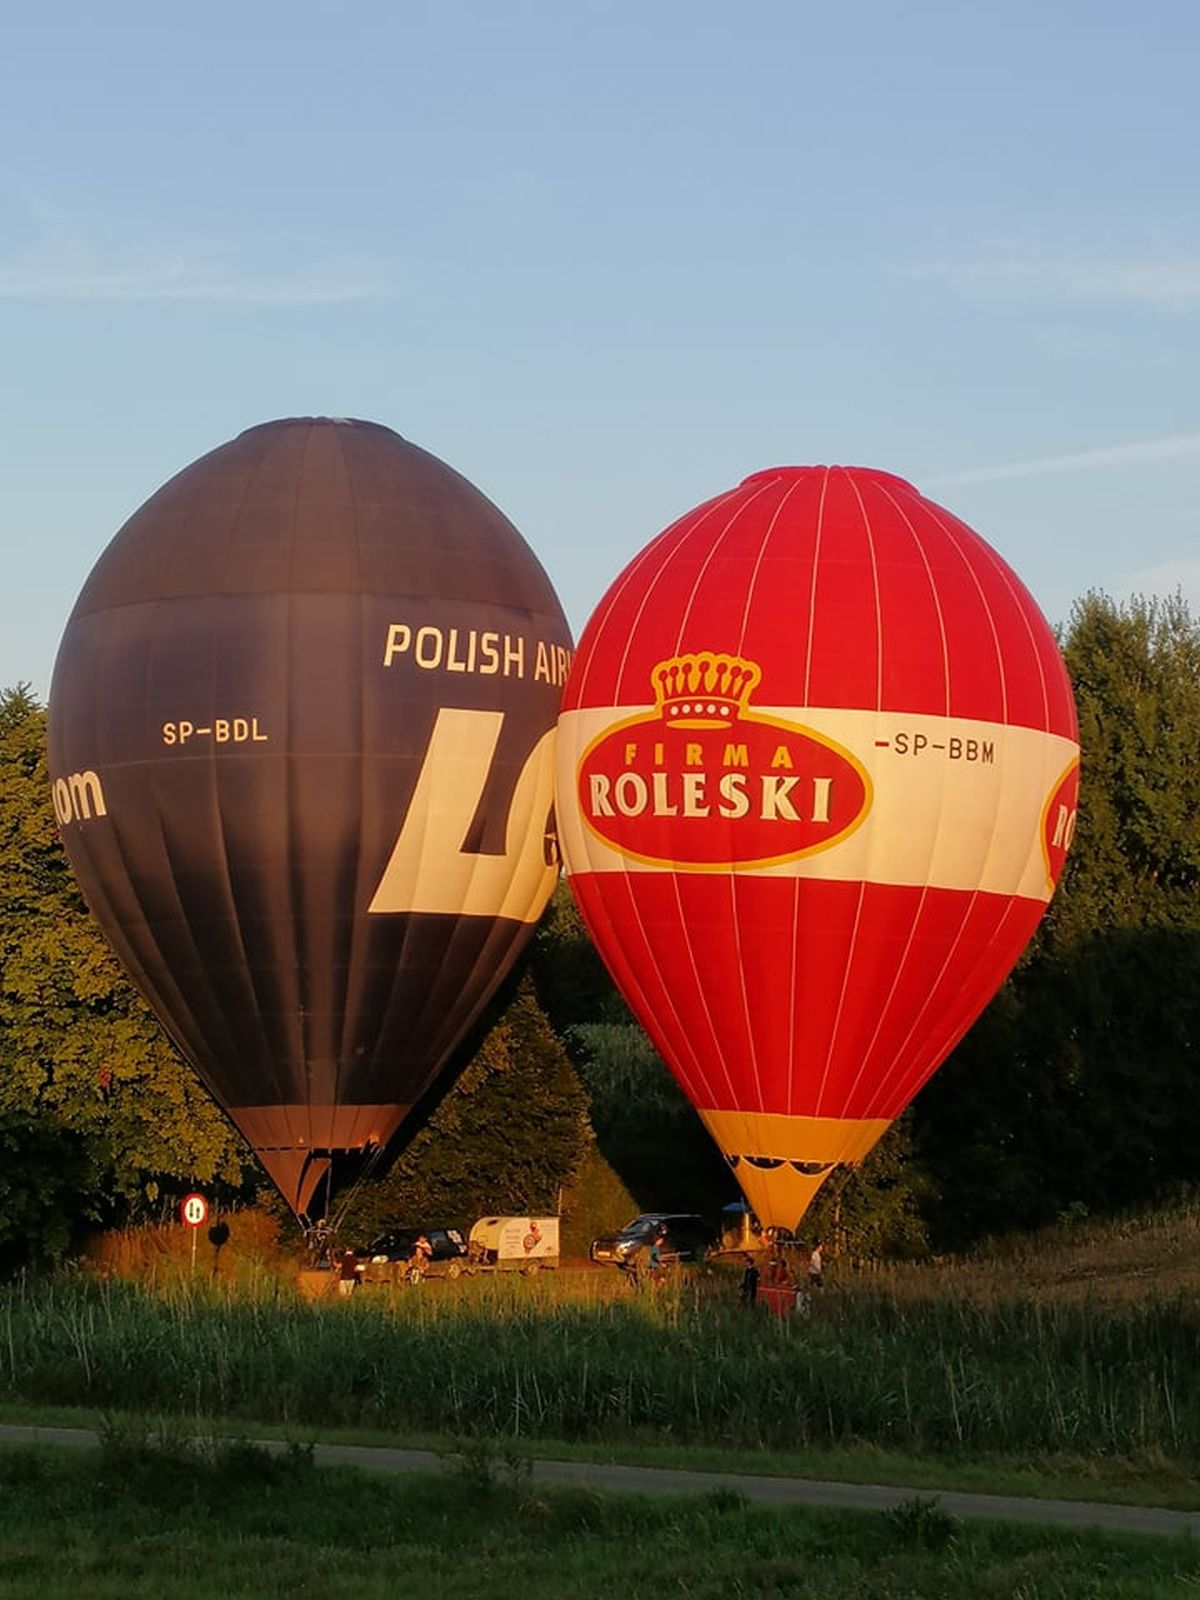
x: 349, y: 1268
x: 777, y: 1275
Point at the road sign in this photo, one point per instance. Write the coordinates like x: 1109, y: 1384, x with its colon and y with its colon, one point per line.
x: 194, y: 1210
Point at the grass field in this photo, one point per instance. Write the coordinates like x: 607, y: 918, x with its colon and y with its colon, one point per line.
x: 1064, y: 1367
x: 147, y: 1519
x: 950, y: 1375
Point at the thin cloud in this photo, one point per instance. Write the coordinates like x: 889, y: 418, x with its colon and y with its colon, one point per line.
x: 179, y: 280
x: 1172, y: 448
x: 1158, y: 282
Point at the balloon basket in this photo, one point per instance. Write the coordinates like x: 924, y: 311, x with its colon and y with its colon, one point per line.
x: 777, y: 1300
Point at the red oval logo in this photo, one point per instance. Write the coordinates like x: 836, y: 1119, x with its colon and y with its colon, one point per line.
x: 705, y: 783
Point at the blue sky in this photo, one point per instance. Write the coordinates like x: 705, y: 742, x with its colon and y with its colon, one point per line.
x: 606, y: 260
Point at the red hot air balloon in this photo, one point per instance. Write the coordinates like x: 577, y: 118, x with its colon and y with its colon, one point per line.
x: 301, y: 730
x: 817, y: 776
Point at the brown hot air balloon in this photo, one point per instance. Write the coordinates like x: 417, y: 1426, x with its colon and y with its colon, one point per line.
x: 301, y: 730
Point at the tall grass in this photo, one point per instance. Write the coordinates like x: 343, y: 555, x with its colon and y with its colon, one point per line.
x: 681, y: 1365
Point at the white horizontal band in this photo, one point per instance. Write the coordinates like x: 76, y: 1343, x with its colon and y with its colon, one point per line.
x: 957, y: 804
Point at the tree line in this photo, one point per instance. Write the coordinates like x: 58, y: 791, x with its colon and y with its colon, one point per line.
x: 1074, y: 1094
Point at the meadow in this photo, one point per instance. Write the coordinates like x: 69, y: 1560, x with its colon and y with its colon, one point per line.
x: 872, y: 1364
x: 1059, y: 1366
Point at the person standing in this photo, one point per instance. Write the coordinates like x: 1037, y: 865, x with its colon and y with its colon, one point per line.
x: 816, y: 1267
x: 748, y: 1292
x: 655, y: 1259
x: 422, y: 1255
x: 348, y: 1273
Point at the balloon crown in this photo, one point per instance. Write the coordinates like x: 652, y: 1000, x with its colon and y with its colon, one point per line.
x: 704, y: 689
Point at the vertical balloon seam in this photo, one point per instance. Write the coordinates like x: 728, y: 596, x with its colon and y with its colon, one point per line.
x: 679, y: 533
x: 358, y: 955
x: 202, y: 1064
x: 248, y: 480
x: 359, y: 933
x: 743, y: 504
x: 919, y: 546
x: 682, y: 1034
x: 959, y: 547
x: 257, y: 460
x: 852, y: 957
x: 871, y: 870
x: 408, y: 933
x: 687, y: 529
x: 927, y: 1061
x: 999, y: 569
x: 968, y: 566
x: 880, y: 641
x: 818, y: 533
x: 126, y: 954
x: 748, y: 1021
x: 184, y: 923
x: 154, y: 614
x: 793, y: 991
x: 455, y: 930
x: 790, y: 489
x: 237, y: 933
x: 616, y: 693
x: 600, y: 911
x: 879, y: 652
x: 685, y: 924
x: 939, y: 1044
x: 294, y: 1020
x: 668, y: 539
x: 293, y: 854
x: 1021, y: 600
x: 885, y: 1007
x: 910, y: 1045
x: 742, y: 507
x: 212, y: 773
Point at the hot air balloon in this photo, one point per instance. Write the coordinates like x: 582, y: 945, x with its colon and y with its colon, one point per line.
x: 301, y: 729
x: 817, y: 776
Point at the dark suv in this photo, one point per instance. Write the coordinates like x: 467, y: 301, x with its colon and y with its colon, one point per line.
x: 392, y: 1257
x: 688, y: 1238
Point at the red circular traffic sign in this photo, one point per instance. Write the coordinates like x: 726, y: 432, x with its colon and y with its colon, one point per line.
x: 194, y: 1211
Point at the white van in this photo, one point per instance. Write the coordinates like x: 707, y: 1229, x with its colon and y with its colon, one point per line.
x: 514, y: 1244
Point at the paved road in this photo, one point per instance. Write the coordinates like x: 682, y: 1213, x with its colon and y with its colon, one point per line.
x: 767, y: 1490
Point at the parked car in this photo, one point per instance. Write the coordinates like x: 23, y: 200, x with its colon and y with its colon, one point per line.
x: 392, y: 1256
x: 688, y: 1238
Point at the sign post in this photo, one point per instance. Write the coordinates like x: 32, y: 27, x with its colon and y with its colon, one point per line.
x: 193, y: 1213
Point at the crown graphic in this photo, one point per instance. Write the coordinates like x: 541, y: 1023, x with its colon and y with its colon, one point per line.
x: 703, y: 690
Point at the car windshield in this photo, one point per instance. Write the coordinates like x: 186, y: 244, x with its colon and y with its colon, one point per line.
x: 641, y: 1226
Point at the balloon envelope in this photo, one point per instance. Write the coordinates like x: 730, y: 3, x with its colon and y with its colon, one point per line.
x: 301, y: 728
x: 817, y: 774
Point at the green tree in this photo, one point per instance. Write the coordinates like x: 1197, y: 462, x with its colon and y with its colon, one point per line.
x: 874, y: 1211
x: 645, y: 1128
x: 79, y: 1051
x: 1078, y: 1088
x: 504, y: 1140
